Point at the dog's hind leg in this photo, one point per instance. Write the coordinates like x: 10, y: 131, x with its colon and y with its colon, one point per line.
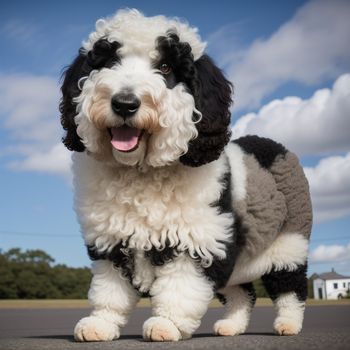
x: 112, y: 298
x: 288, y: 291
x: 239, y: 301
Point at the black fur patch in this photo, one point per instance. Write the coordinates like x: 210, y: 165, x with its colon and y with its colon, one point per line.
x: 178, y: 55
x: 161, y: 257
x: 283, y: 281
x: 121, y: 257
x: 264, y: 150
x: 250, y: 290
x: 221, y: 298
x: 213, y: 96
x: 102, y: 55
x: 220, y: 270
x: 225, y: 201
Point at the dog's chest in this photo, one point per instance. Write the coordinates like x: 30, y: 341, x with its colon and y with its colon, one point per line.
x: 167, y: 206
x: 141, y: 221
x: 151, y: 201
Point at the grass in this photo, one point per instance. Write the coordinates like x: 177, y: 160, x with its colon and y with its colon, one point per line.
x: 82, y: 303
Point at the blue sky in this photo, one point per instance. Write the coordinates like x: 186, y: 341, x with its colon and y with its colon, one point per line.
x: 289, y: 62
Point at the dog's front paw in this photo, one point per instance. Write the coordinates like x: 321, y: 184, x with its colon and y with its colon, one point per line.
x: 93, y: 328
x: 286, y: 326
x: 228, y: 327
x: 160, y: 329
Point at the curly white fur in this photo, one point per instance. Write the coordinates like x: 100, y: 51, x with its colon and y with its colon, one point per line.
x: 138, y: 32
x: 290, y: 314
x: 238, y: 309
x: 147, y: 209
x: 182, y: 283
x: 287, y: 252
x: 112, y: 298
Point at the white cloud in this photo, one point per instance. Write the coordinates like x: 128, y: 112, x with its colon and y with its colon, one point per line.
x: 29, y: 114
x: 56, y: 160
x: 310, y: 48
x: 330, y: 187
x: 318, y: 125
x: 330, y: 253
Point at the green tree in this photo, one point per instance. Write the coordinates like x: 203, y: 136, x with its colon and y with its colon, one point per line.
x: 7, y: 280
x: 32, y: 274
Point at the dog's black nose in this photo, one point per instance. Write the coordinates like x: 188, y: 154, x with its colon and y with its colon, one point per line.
x: 125, y: 104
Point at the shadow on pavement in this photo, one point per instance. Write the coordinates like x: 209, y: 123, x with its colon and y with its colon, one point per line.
x: 70, y: 338
x: 62, y: 337
x: 268, y: 334
x: 211, y: 335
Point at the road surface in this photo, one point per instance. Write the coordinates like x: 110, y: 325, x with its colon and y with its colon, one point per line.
x: 325, y: 327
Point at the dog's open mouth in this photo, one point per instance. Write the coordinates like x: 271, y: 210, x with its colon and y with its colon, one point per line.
x: 125, y: 138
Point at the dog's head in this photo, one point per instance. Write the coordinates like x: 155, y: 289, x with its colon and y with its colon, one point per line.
x: 142, y: 91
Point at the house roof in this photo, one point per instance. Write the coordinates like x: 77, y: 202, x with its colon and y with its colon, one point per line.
x: 332, y: 276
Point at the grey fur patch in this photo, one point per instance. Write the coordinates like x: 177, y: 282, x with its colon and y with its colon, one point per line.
x: 264, y: 209
x: 291, y: 181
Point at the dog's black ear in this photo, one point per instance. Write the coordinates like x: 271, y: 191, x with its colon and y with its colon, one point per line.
x: 70, y: 90
x: 103, y: 54
x: 213, y: 99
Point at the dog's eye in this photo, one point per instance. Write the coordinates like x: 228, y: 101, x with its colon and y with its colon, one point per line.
x: 165, y: 68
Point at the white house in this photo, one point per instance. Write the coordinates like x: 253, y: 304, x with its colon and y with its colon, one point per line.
x: 331, y: 285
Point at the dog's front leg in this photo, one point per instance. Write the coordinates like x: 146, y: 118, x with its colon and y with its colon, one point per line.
x: 112, y: 298
x: 180, y: 298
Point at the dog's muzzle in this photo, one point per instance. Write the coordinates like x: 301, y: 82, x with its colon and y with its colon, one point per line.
x: 125, y: 138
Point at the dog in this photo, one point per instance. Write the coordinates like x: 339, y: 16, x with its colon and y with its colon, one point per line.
x: 168, y: 206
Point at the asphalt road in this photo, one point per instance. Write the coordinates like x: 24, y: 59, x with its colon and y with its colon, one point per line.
x: 325, y: 327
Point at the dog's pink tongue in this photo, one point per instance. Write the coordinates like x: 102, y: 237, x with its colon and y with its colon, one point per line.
x: 125, y: 138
